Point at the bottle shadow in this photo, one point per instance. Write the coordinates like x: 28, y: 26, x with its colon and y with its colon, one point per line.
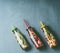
x: 29, y: 45
x: 57, y: 47
x: 41, y: 38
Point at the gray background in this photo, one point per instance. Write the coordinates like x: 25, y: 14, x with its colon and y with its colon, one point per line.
x: 12, y: 12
